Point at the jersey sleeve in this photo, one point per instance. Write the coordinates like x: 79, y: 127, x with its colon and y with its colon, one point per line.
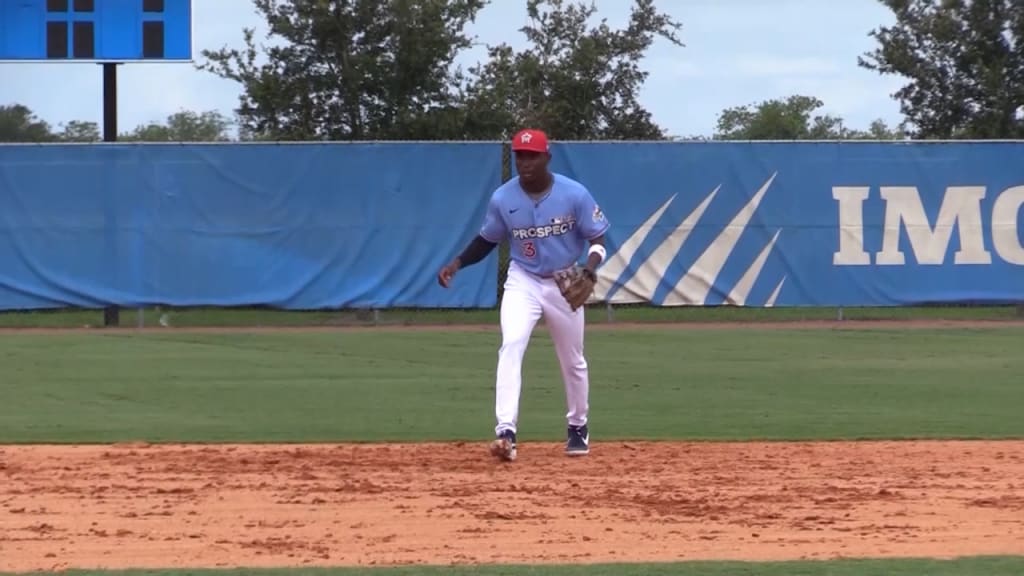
x: 591, y: 219
x: 494, y: 228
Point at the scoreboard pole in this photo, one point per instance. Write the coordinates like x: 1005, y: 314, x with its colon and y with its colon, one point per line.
x: 111, y: 314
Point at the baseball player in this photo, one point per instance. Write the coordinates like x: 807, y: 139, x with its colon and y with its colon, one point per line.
x: 549, y: 220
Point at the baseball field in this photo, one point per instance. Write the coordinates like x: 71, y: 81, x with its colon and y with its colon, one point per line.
x: 723, y: 443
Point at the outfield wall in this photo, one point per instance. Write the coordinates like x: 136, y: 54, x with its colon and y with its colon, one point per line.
x: 367, y: 225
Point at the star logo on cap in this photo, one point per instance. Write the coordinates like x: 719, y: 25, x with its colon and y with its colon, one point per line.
x: 529, y: 140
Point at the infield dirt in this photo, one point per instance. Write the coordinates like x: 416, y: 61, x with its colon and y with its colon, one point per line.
x: 173, y: 506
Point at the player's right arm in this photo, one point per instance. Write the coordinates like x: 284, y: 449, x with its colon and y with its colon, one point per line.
x: 490, y: 235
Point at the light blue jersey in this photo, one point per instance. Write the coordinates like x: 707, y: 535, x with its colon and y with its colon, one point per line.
x: 548, y: 234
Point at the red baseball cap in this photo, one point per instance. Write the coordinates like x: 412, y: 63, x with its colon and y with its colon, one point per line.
x: 530, y: 140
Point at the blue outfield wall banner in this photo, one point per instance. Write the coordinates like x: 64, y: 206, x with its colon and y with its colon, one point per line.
x: 306, y: 226
x: 298, y: 226
x: 806, y: 223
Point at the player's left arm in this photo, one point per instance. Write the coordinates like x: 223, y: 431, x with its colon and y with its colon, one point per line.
x: 593, y: 226
x: 595, y: 255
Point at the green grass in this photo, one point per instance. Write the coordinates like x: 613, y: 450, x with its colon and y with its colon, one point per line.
x: 981, y: 566
x: 657, y: 383
x: 595, y: 314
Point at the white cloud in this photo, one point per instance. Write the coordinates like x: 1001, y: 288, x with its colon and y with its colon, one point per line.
x: 672, y: 68
x: 158, y: 90
x: 774, y: 66
x: 857, y: 98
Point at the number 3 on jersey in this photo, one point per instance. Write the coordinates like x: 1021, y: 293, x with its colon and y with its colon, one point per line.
x: 529, y: 250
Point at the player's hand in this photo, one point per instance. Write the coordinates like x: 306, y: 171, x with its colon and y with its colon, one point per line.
x: 444, y: 277
x: 576, y: 285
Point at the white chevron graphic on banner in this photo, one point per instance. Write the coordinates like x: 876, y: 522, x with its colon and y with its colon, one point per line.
x: 775, y: 294
x: 652, y: 272
x: 739, y: 293
x: 608, y: 273
x: 695, y: 286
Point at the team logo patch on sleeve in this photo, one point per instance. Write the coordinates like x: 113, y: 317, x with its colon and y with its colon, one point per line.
x: 598, y: 215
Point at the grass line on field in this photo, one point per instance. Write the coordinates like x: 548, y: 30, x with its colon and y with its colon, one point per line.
x: 189, y: 317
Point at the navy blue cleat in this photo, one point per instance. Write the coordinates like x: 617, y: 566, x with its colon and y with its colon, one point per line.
x: 578, y: 443
x: 504, y: 446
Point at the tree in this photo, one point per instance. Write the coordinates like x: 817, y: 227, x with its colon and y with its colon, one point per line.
x: 80, y: 131
x: 575, y: 81
x: 384, y: 69
x: 183, y: 126
x: 964, y: 62
x: 792, y: 119
x: 879, y: 130
x: 363, y: 69
x: 19, y: 124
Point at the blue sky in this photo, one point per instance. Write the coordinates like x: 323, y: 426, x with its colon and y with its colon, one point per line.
x: 736, y: 52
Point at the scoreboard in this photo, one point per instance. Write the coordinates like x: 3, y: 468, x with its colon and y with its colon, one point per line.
x: 95, y: 30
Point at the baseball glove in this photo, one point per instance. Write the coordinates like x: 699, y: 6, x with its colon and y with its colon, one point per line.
x: 576, y: 284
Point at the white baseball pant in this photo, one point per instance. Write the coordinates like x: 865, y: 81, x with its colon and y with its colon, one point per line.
x: 527, y: 298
